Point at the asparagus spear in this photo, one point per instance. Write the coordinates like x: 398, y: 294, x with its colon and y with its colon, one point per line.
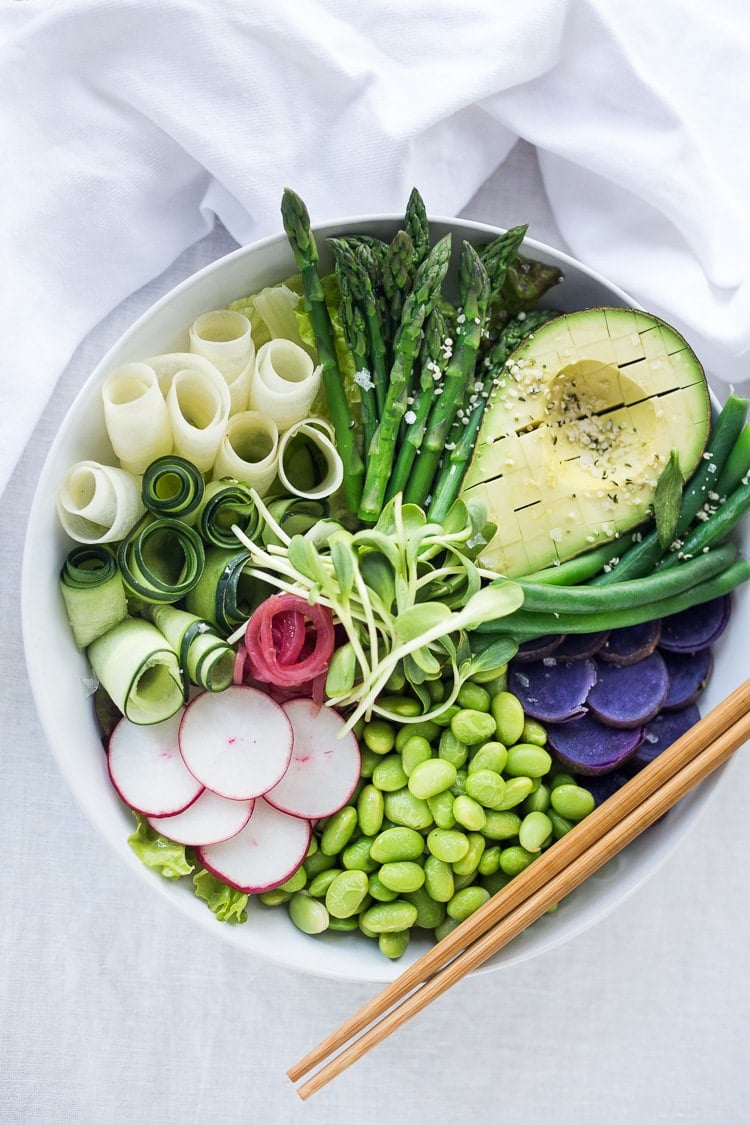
x: 296, y: 222
x: 355, y: 332
x: 398, y: 268
x: 432, y: 362
x: 355, y: 260
x: 417, y: 226
x: 500, y: 254
x: 418, y: 305
x: 473, y: 296
x: 463, y: 434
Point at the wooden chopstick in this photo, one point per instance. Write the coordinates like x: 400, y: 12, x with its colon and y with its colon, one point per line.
x: 562, y: 868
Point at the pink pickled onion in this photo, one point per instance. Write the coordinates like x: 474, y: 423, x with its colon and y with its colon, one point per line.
x: 289, y: 642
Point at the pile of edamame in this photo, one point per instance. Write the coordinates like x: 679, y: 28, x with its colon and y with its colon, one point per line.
x: 445, y: 814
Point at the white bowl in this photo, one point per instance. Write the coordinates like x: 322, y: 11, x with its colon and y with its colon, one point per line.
x: 59, y: 673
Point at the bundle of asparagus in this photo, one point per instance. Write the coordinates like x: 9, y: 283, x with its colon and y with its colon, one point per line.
x: 425, y: 366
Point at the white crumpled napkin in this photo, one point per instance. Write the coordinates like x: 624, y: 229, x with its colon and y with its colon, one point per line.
x: 126, y: 126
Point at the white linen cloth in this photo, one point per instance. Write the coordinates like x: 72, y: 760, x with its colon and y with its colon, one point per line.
x: 127, y: 127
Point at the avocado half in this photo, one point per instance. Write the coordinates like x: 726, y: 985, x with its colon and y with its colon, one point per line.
x: 577, y: 431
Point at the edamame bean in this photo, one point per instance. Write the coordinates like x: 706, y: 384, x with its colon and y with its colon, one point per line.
x: 452, y: 749
x: 559, y: 777
x: 402, y: 807
x: 527, y: 760
x: 389, y: 917
x: 402, y: 875
x: 404, y: 706
x: 274, y: 897
x: 572, y: 801
x: 486, y: 787
x: 445, y: 928
x: 379, y: 736
x: 318, y: 886
x: 438, y: 879
x: 414, y: 751
x: 538, y: 800
x: 368, y: 760
x: 501, y: 825
x: 489, y: 756
x: 370, y: 809
x: 535, y: 831
x: 346, y: 894
x: 379, y: 891
x: 444, y: 718
x: 388, y: 775
x: 447, y: 844
x: 495, y: 882
x: 459, y: 785
x: 441, y: 807
x: 430, y: 913
x: 473, y: 697
x: 396, y: 844
x: 338, y: 830
x: 534, y: 732
x: 435, y: 690
x: 507, y: 711
x: 473, y: 726
x: 489, y: 862
x: 470, y: 862
x: 515, y: 859
x: 295, y: 882
x: 431, y: 777
x: 317, y: 862
x: 426, y: 728
x: 466, y: 901
x: 308, y: 914
x: 517, y: 789
x: 469, y: 813
x: 343, y: 925
x: 560, y: 824
x: 394, y: 945
x: 356, y: 856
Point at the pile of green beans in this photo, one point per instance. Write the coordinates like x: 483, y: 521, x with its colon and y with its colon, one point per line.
x: 445, y: 814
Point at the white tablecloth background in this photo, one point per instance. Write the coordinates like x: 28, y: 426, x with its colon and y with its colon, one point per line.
x: 114, y: 1010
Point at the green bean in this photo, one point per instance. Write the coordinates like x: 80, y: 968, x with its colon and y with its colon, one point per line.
x: 535, y: 831
x: 393, y: 945
x: 431, y: 777
x: 485, y: 786
x: 370, y: 810
x: 507, y: 711
x: 338, y: 830
x: 356, y: 856
x: 402, y: 875
x: 318, y: 886
x: 466, y: 901
x: 470, y: 862
x: 308, y: 914
x: 396, y: 844
x: 514, y: 859
x: 378, y: 890
x: 501, y: 825
x: 388, y: 775
x: 438, y: 879
x: 583, y: 567
x: 469, y: 813
x: 736, y: 466
x: 413, y: 751
x: 713, y: 530
x: 441, y: 807
x: 489, y: 756
x: 402, y: 807
x: 528, y: 760
x: 346, y: 894
x: 572, y: 801
x: 452, y: 749
x: 472, y: 727
x: 430, y: 912
x: 447, y: 844
x: 473, y: 697
x: 389, y: 917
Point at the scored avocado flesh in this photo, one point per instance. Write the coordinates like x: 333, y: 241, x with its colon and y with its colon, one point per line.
x: 577, y: 430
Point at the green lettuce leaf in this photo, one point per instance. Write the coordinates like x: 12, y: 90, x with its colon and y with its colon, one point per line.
x: 157, y: 851
x: 228, y: 904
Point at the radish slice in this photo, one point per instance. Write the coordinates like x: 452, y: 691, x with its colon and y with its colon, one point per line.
x: 324, y: 769
x: 208, y: 820
x: 237, y: 742
x: 265, y: 853
x: 147, y: 770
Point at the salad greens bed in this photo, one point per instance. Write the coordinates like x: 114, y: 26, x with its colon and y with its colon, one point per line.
x: 435, y: 724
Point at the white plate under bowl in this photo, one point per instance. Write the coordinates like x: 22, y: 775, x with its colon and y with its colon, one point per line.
x: 58, y: 672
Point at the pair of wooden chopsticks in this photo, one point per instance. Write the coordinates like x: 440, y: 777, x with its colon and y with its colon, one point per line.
x: 561, y: 869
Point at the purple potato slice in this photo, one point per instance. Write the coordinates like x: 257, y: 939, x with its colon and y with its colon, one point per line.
x: 631, y: 644
x: 538, y: 648
x: 629, y: 696
x: 552, y: 692
x: 688, y: 673
x: 695, y: 628
x: 580, y: 646
x: 589, y: 747
x: 662, y: 731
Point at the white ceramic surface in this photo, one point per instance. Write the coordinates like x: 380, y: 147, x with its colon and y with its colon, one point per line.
x: 59, y: 674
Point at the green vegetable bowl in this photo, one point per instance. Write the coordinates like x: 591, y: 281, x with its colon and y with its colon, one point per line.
x: 61, y: 678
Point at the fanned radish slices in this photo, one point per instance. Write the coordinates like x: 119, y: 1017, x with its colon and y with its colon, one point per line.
x: 324, y: 768
x: 147, y: 769
x: 237, y: 742
x: 265, y: 853
x: 208, y: 820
